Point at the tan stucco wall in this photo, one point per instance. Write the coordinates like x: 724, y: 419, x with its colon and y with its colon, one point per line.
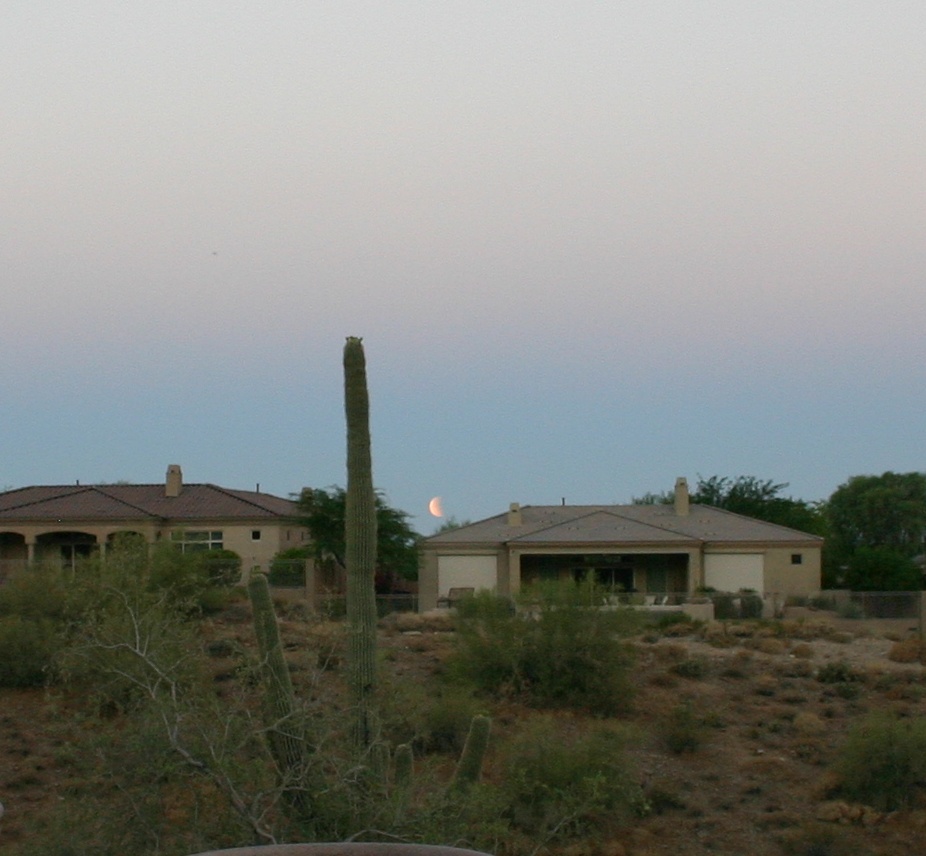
x: 784, y: 578
x: 427, y: 580
x: 237, y: 537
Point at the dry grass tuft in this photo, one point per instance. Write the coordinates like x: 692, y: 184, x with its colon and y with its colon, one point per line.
x: 803, y: 651
x: 809, y: 724
x: 907, y: 651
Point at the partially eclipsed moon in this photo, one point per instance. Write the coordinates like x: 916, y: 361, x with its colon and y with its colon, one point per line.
x: 435, y: 507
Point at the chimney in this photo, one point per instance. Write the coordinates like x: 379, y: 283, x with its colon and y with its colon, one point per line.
x: 514, y: 514
x: 681, y: 496
x: 174, y: 482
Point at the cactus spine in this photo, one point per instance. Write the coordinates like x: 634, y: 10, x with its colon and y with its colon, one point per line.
x: 286, y: 744
x: 360, y: 544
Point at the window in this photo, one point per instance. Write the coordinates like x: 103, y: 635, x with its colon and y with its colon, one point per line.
x: 196, y: 541
x: 797, y: 558
x: 255, y: 534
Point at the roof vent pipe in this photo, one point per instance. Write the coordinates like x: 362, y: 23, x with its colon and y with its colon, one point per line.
x: 514, y: 514
x: 174, y: 483
x: 681, y: 497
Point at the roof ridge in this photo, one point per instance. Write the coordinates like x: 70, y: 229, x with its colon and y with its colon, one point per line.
x: 554, y: 524
x: 760, y: 520
x: 69, y: 490
x: 657, y: 525
x: 99, y: 489
x: 234, y: 494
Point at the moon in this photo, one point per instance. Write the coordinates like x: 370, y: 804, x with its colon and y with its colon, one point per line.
x: 435, y: 507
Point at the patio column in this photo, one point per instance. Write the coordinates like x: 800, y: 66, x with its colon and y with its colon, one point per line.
x: 514, y: 572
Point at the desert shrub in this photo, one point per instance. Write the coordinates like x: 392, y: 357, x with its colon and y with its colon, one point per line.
x: 883, y: 762
x: 445, y: 721
x: 288, y: 567
x: 837, y: 672
x: 561, y: 649
x: 692, y: 667
x: 665, y: 620
x: 559, y: 782
x: 37, y: 593
x: 850, y: 609
x: 724, y: 607
x: 431, y: 721
x: 221, y: 567
x: 683, y: 731
x: 489, y: 643
x: 733, y: 606
x: 27, y: 647
x: 750, y: 605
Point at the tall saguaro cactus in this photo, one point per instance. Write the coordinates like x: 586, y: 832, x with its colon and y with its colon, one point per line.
x: 360, y: 543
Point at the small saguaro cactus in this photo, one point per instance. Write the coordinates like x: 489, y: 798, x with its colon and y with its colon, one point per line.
x: 360, y: 545
x: 286, y: 743
x: 469, y: 767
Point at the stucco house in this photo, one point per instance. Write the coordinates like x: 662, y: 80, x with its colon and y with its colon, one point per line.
x: 64, y: 522
x: 663, y: 550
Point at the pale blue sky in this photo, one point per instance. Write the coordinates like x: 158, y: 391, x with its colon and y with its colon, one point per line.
x: 589, y: 246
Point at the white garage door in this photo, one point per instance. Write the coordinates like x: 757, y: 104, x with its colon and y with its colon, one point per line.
x: 734, y: 571
x: 475, y: 572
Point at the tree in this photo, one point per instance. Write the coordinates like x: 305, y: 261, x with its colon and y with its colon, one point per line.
x: 752, y: 497
x: 880, y: 511
x: 322, y: 512
x: 877, y: 525
x: 879, y: 569
x: 450, y: 524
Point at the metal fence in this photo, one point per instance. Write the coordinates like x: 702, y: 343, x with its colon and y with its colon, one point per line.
x: 871, y: 604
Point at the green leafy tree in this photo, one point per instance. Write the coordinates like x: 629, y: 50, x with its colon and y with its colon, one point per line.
x: 880, y: 569
x: 450, y: 524
x: 751, y: 497
x: 877, y: 527
x: 322, y: 512
x: 879, y: 511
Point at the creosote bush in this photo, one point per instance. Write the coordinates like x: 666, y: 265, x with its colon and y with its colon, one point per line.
x: 561, y: 648
x: 557, y: 780
x: 27, y: 647
x: 883, y: 762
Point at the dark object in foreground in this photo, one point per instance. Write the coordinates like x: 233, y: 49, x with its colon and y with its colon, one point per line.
x: 348, y: 848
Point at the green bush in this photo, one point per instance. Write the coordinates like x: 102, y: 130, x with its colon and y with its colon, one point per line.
x: 445, y: 721
x: 559, y: 781
x: 221, y: 567
x: 750, y: 605
x: 883, y: 762
x: 561, y: 648
x: 27, y: 647
x: 288, y: 567
x: 36, y: 593
x: 489, y: 643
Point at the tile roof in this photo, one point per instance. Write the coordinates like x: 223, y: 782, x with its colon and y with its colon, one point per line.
x: 619, y: 524
x: 138, y: 502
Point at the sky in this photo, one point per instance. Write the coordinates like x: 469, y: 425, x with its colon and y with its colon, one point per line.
x: 589, y: 247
